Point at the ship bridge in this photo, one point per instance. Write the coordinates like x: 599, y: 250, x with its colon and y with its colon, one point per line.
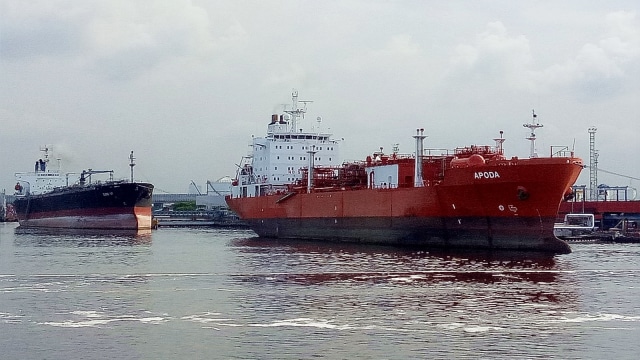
x: 279, y: 158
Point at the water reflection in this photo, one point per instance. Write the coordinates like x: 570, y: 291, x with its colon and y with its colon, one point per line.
x: 390, y: 291
x: 306, y: 262
x: 80, y: 237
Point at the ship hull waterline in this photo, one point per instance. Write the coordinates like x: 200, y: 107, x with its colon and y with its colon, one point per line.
x: 107, y: 218
x: 469, y: 233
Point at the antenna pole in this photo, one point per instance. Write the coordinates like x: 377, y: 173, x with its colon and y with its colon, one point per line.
x: 593, y: 164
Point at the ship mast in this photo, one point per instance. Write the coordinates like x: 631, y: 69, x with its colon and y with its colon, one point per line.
x: 499, y: 141
x: 593, y: 164
x: 532, y: 136
x: 45, y: 149
x: 295, y: 112
x: 131, y: 163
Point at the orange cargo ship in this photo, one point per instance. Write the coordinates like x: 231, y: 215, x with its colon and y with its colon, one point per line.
x: 291, y: 186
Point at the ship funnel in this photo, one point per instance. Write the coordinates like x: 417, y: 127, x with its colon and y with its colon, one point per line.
x: 419, y: 136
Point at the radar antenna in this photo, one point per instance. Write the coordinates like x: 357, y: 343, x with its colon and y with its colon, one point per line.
x: 45, y: 149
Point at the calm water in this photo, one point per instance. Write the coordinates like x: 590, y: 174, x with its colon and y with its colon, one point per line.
x: 223, y: 294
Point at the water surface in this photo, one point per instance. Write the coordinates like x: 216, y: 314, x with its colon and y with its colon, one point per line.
x: 224, y: 294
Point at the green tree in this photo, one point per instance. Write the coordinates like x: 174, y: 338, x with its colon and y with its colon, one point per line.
x: 184, y: 206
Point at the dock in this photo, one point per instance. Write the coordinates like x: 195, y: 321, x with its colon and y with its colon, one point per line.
x: 202, y: 218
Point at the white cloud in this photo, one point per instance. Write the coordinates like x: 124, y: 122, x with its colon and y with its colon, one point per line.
x: 599, y: 67
x: 495, y: 55
x: 127, y: 38
x: 40, y: 28
x: 186, y: 83
x: 623, y: 39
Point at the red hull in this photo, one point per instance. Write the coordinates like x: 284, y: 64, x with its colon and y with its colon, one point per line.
x: 513, y: 208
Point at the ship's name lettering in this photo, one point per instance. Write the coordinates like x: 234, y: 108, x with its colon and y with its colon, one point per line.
x: 486, y: 175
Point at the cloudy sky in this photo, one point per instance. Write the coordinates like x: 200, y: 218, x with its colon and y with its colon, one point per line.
x: 186, y: 83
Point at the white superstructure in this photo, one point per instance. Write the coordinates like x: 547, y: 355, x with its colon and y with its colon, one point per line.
x: 42, y: 180
x: 278, y: 158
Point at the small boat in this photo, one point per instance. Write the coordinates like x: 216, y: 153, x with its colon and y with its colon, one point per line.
x: 575, y: 225
x: 46, y: 199
x: 626, y: 231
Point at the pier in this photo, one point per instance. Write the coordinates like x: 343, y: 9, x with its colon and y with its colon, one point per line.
x: 213, y: 218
